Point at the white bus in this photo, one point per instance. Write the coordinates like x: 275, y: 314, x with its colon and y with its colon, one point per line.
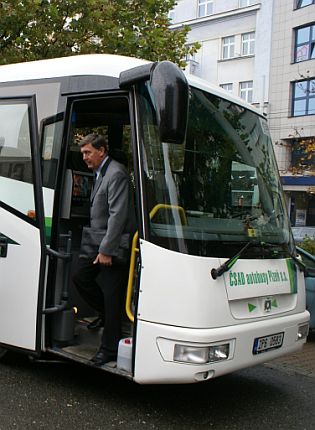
x: 215, y: 284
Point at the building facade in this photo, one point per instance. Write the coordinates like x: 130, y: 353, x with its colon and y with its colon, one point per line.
x: 235, y: 39
x: 264, y: 52
x: 292, y: 104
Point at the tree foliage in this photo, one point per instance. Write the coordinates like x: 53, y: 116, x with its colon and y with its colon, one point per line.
x: 308, y: 245
x: 39, y: 29
x: 303, y: 155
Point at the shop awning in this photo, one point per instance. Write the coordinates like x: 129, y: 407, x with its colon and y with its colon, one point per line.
x: 298, y: 180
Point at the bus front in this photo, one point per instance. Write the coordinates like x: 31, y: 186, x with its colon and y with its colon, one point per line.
x: 220, y: 285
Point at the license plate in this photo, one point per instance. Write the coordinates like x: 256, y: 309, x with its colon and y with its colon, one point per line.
x: 266, y: 343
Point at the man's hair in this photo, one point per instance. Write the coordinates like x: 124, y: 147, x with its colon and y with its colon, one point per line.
x: 96, y: 140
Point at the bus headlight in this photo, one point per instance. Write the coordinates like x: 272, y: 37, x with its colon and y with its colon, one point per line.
x: 201, y: 355
x: 302, y: 332
x: 191, y: 354
x: 219, y: 352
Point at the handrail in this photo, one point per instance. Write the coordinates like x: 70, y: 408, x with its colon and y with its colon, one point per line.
x: 65, y: 257
x: 135, y: 249
x: 59, y: 255
x: 159, y: 206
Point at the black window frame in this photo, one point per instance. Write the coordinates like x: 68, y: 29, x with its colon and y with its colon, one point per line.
x: 307, y: 96
x: 54, y: 119
x: 310, y: 43
x: 299, y: 5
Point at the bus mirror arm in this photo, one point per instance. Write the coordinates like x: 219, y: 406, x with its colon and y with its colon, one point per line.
x: 66, y: 257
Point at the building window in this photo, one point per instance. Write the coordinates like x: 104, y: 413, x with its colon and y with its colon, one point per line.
x: 191, y: 60
x: 227, y: 87
x: 205, y: 8
x: 303, y: 3
x: 248, y: 43
x: 301, y: 158
x: 303, y: 100
x: 191, y: 57
x: 171, y: 15
x: 244, y: 3
x: 246, y: 91
x: 228, y: 44
x: 304, y: 43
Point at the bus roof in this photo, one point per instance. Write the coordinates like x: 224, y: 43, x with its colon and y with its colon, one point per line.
x: 77, y: 65
x: 97, y: 65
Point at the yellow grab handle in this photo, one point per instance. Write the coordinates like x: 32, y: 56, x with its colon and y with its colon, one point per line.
x: 135, y: 249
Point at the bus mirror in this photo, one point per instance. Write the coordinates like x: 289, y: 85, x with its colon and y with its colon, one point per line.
x: 171, y: 95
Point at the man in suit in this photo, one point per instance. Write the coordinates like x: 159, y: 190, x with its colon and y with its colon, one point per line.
x: 102, y: 275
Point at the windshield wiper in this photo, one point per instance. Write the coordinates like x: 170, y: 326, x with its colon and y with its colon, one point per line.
x: 215, y: 273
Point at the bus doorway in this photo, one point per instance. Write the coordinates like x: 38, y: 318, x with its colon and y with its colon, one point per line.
x: 109, y: 116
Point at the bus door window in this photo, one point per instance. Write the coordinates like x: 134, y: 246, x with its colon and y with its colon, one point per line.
x: 51, y: 141
x: 22, y: 259
x: 16, y: 178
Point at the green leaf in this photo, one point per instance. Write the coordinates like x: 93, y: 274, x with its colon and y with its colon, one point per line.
x: 40, y: 29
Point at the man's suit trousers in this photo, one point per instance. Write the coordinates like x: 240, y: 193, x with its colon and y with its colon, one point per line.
x: 103, y: 288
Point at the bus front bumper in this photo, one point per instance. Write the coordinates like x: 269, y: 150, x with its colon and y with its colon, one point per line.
x: 168, y: 354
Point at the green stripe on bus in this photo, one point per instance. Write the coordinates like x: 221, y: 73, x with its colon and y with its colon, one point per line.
x: 48, y: 223
x: 292, y: 275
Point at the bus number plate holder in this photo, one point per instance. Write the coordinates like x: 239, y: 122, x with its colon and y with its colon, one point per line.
x: 266, y: 343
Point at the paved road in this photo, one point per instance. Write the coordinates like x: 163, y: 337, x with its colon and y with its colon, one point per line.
x: 55, y: 396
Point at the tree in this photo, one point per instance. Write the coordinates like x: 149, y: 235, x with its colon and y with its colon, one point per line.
x: 39, y: 29
x: 303, y: 153
x: 308, y: 244
x: 305, y: 148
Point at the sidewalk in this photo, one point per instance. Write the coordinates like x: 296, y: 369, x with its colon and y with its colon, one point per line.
x: 302, y: 362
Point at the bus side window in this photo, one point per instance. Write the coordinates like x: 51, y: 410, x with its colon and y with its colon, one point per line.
x: 16, y: 176
x: 51, y: 145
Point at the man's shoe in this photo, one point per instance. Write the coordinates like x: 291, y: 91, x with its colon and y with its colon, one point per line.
x: 96, y: 324
x: 102, y: 357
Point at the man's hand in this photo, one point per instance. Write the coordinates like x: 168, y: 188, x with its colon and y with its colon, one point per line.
x: 104, y: 260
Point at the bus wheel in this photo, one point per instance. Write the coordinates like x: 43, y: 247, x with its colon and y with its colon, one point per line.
x: 3, y: 352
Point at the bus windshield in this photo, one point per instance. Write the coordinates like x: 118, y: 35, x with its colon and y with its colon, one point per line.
x: 220, y: 188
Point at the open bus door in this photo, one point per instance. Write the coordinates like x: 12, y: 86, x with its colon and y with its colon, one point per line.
x: 22, y: 241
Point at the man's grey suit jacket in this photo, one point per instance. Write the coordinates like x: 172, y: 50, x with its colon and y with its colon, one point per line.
x: 112, y: 209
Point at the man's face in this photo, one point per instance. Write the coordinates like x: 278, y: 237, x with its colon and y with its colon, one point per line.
x: 92, y: 156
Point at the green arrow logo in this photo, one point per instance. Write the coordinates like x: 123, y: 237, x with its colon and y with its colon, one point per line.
x: 251, y: 307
